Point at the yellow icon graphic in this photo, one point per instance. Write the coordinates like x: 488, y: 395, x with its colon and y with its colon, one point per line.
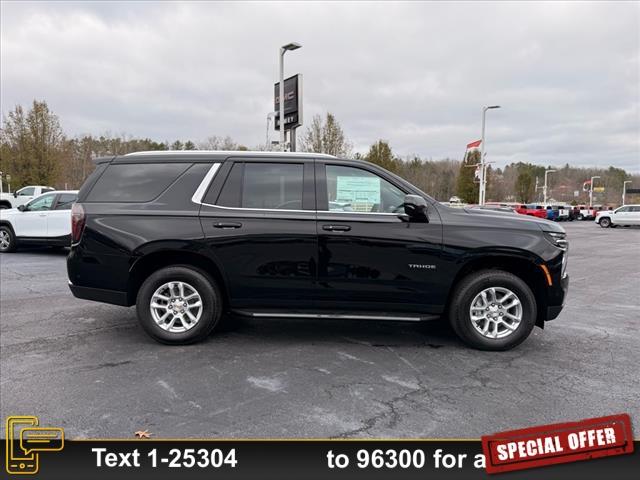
x: 25, y: 441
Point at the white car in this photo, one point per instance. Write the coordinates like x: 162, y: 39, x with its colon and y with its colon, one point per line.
x: 625, y: 215
x: 45, y: 220
x: 22, y: 196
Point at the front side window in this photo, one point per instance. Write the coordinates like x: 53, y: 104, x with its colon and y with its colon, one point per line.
x: 65, y: 201
x: 40, y: 203
x: 351, y: 189
x: 27, y: 192
x: 622, y: 210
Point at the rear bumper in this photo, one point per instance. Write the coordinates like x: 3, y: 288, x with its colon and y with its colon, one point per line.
x: 113, y: 297
x: 554, y: 310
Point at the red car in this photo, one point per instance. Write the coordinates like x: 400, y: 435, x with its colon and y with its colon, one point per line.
x: 532, y: 210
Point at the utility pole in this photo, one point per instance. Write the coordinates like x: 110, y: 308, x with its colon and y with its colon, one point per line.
x: 591, y: 191
x: 544, y: 189
x: 483, y: 176
x: 624, y: 189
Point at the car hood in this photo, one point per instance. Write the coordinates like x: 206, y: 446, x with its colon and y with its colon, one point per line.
x: 514, y: 220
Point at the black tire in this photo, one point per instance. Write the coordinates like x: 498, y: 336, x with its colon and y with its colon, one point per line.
x: 205, y: 286
x: 472, y: 285
x: 7, y: 233
x: 580, y: 217
x: 605, y: 222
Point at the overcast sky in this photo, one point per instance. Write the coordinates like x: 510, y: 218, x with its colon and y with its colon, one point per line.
x: 415, y: 74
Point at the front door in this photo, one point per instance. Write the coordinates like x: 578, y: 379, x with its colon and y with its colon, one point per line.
x: 260, y: 225
x: 371, y: 257
x: 32, y: 222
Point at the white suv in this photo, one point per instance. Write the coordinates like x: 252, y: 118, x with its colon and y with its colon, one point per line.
x: 45, y: 220
x: 625, y: 215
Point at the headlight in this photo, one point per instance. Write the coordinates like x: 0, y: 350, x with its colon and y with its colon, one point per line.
x: 558, y: 239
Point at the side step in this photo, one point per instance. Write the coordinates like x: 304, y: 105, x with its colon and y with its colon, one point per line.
x: 338, y: 316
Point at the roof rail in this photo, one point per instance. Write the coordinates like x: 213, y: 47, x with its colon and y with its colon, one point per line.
x: 228, y: 152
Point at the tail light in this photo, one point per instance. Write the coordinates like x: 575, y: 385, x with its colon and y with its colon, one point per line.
x: 78, y: 219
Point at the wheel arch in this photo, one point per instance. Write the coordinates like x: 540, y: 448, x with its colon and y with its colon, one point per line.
x: 5, y: 204
x: 526, y: 267
x: 153, y: 261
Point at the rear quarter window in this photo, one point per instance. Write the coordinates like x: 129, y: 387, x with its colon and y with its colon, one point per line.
x: 136, y: 182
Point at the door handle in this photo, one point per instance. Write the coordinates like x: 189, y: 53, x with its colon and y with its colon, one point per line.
x: 227, y: 225
x: 336, y: 228
x: 42, y: 215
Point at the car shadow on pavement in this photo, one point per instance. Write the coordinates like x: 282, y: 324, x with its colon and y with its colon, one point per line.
x: 431, y: 334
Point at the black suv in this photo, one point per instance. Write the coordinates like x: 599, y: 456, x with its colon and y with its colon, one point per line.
x: 191, y: 236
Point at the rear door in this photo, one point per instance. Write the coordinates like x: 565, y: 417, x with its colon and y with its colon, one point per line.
x: 259, y: 222
x: 370, y: 258
x: 59, y: 219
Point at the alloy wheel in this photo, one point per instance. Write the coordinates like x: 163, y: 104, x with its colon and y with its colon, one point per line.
x: 496, y: 312
x: 176, y: 307
x: 5, y: 240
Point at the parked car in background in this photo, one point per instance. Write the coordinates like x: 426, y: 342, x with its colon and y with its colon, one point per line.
x: 625, y: 215
x: 586, y: 212
x: 565, y: 213
x: 532, y: 210
x: 22, y: 196
x: 552, y: 212
x: 45, y: 220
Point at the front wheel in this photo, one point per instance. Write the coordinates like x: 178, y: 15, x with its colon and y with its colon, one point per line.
x: 492, y: 310
x: 580, y: 216
x: 179, y: 305
x: 605, y: 222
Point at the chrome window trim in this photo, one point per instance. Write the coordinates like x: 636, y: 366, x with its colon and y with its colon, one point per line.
x: 198, y: 195
x: 200, y: 192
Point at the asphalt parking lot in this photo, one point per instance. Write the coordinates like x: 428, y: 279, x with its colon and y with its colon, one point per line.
x: 89, y: 368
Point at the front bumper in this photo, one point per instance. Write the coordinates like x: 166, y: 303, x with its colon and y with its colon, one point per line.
x: 554, y: 310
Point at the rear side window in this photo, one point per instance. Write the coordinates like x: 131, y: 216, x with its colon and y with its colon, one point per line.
x: 273, y: 186
x: 230, y: 196
x: 65, y: 201
x: 140, y: 182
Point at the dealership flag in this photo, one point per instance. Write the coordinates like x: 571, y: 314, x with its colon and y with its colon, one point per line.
x: 473, y: 145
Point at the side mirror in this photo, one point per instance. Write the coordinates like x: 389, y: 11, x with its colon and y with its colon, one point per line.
x: 416, y: 208
x: 15, y: 194
x: 22, y: 208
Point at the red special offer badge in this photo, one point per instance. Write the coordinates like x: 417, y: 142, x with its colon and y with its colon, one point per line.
x: 559, y: 443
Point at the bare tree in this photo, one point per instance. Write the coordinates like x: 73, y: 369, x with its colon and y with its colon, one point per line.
x: 326, y: 137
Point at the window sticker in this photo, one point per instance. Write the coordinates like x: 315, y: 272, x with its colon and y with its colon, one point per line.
x: 362, y: 193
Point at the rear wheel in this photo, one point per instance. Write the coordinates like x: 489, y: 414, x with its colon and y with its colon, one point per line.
x: 7, y: 239
x: 492, y: 310
x: 179, y: 305
x: 605, y: 222
x: 580, y: 216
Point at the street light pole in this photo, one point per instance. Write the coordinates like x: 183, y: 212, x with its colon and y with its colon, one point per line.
x: 544, y: 189
x: 483, y: 173
x: 591, y: 191
x: 284, y: 49
x: 267, y: 144
x: 624, y: 189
